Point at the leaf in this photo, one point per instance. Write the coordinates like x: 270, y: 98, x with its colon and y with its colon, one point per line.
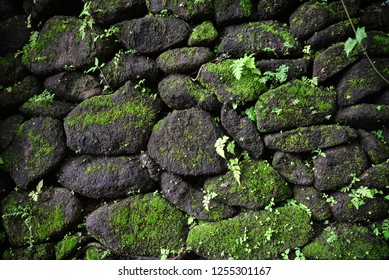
x: 251, y: 113
x: 237, y: 68
x: 39, y: 186
x: 360, y: 34
x: 231, y: 147
x: 349, y: 45
x: 219, y: 145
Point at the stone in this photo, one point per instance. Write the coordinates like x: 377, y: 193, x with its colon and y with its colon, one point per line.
x: 189, y: 199
x: 203, y: 35
x: 11, y: 70
x: 56, y: 109
x: 183, y: 143
x: 29, y: 222
x: 20, y: 92
x: 105, y: 177
x: 376, y: 149
x: 360, y: 241
x: 37, y: 148
x: 293, y: 169
x: 313, y: 199
x: 184, y: 60
x: 150, y: 35
x: 308, y: 139
x: 265, y: 39
x: 139, y: 226
x: 296, y: 67
x: 229, y: 11
x: 335, y: 169
x: 73, y: 86
x: 259, y: 185
x: 113, y: 124
x: 43, y: 251
x: 294, y: 104
x: 243, y: 131
x: 8, y: 129
x: 14, y: 34
x: 69, y: 246
x: 375, y: 17
x: 270, y: 9
x: 376, y: 177
x: 377, y: 44
x: 266, y: 234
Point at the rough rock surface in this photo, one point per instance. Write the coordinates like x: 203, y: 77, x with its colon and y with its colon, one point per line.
x: 313, y: 199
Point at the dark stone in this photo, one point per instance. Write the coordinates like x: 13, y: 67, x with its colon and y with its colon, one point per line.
x: 203, y: 35
x: 109, y: 12
x: 293, y: 169
x: 344, y: 241
x: 365, y: 116
x: 38, y: 146
x: 180, y: 92
x: 292, y: 105
x: 376, y: 17
x: 105, y: 177
x: 183, y: 143
x: 218, y: 78
x: 14, y: 34
x: 113, y: 124
x: 54, y: 212
x: 11, y: 70
x: 61, y: 44
x: 151, y: 34
x: 376, y: 150
x: 55, y: 109
x: 187, y: 10
x: 373, y: 208
x: 43, y: 9
x: 309, y: 18
x: 332, y: 61
x: 8, y: 129
x: 376, y: 177
x: 377, y: 44
x: 307, y: 139
x: 73, y: 86
x: 361, y: 81
x: 184, y: 60
x: 130, y: 67
x: 383, y: 98
x: 243, y: 130
x: 8, y: 8
x: 335, y: 169
x: 139, y: 226
x: 230, y: 11
x: 266, y: 39
x: 20, y: 92
x: 297, y: 67
x: 270, y: 9
x: 70, y: 245
x: 314, y: 200
x: 259, y: 185
x: 190, y: 199
x: 38, y: 252
x: 338, y: 32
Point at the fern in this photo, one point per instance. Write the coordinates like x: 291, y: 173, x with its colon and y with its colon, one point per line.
x: 219, y: 145
x: 246, y: 62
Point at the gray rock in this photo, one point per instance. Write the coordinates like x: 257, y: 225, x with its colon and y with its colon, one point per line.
x: 73, y: 86
x: 375, y: 17
x: 270, y: 9
x: 11, y: 69
x: 15, y: 34
x: 55, y: 109
x: 243, y: 130
x: 190, y: 199
x: 376, y: 177
x: 229, y: 11
x: 258, y: 186
x: 376, y: 150
x: 306, y: 139
x: 38, y: 252
x: 266, y: 39
x: 105, y: 177
x: 152, y: 35
x: 8, y: 130
x: 112, y: 124
x: 292, y: 169
x: 335, y: 169
x: 314, y: 200
x: 37, y: 148
x: 292, y: 105
x: 28, y: 222
x: 20, y: 92
x: 183, y: 143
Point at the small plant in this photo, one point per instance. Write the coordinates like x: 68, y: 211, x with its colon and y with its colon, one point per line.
x: 380, y: 135
x: 285, y: 254
x: 112, y: 31
x: 87, y: 20
x: 34, y: 194
x: 358, y: 195
x: 294, y: 203
x: 24, y: 213
x: 220, y: 144
x: 329, y: 199
x: 332, y: 236
x: 45, y: 96
x: 207, y: 198
x: 312, y: 82
x: 318, y: 152
x: 234, y: 167
x: 278, y: 77
x: 244, y: 63
x: 276, y: 111
x: 251, y: 113
x: 29, y: 47
x: 69, y: 67
x: 299, y: 255
x: 385, y: 229
x: 351, y: 43
x: 269, y: 233
x: 269, y: 207
x: 1, y: 161
x: 98, y: 67
x: 165, y: 254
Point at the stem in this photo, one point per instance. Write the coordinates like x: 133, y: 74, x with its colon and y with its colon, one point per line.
x: 364, y: 47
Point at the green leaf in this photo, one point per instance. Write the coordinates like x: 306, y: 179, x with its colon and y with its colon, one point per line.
x: 231, y: 147
x: 251, y: 113
x: 219, y: 145
x: 349, y: 45
x: 360, y: 34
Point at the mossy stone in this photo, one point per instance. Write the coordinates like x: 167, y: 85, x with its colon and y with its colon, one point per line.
x: 56, y: 109
x: 37, y: 252
x: 314, y: 200
x: 376, y: 177
x: 20, y: 92
x: 204, y: 34
x: 69, y: 245
x: 252, y: 235
x: 259, y: 185
x: 139, y: 226
x: 360, y: 242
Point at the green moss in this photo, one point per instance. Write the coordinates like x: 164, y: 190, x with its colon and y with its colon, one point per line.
x: 247, y: 236
x: 203, y: 33
x: 346, y: 242
x: 96, y: 253
x: 260, y: 183
x: 246, y: 7
x: 148, y: 224
x: 53, y: 222
x: 66, y: 246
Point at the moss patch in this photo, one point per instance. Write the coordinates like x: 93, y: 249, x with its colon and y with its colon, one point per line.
x: 203, y: 34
